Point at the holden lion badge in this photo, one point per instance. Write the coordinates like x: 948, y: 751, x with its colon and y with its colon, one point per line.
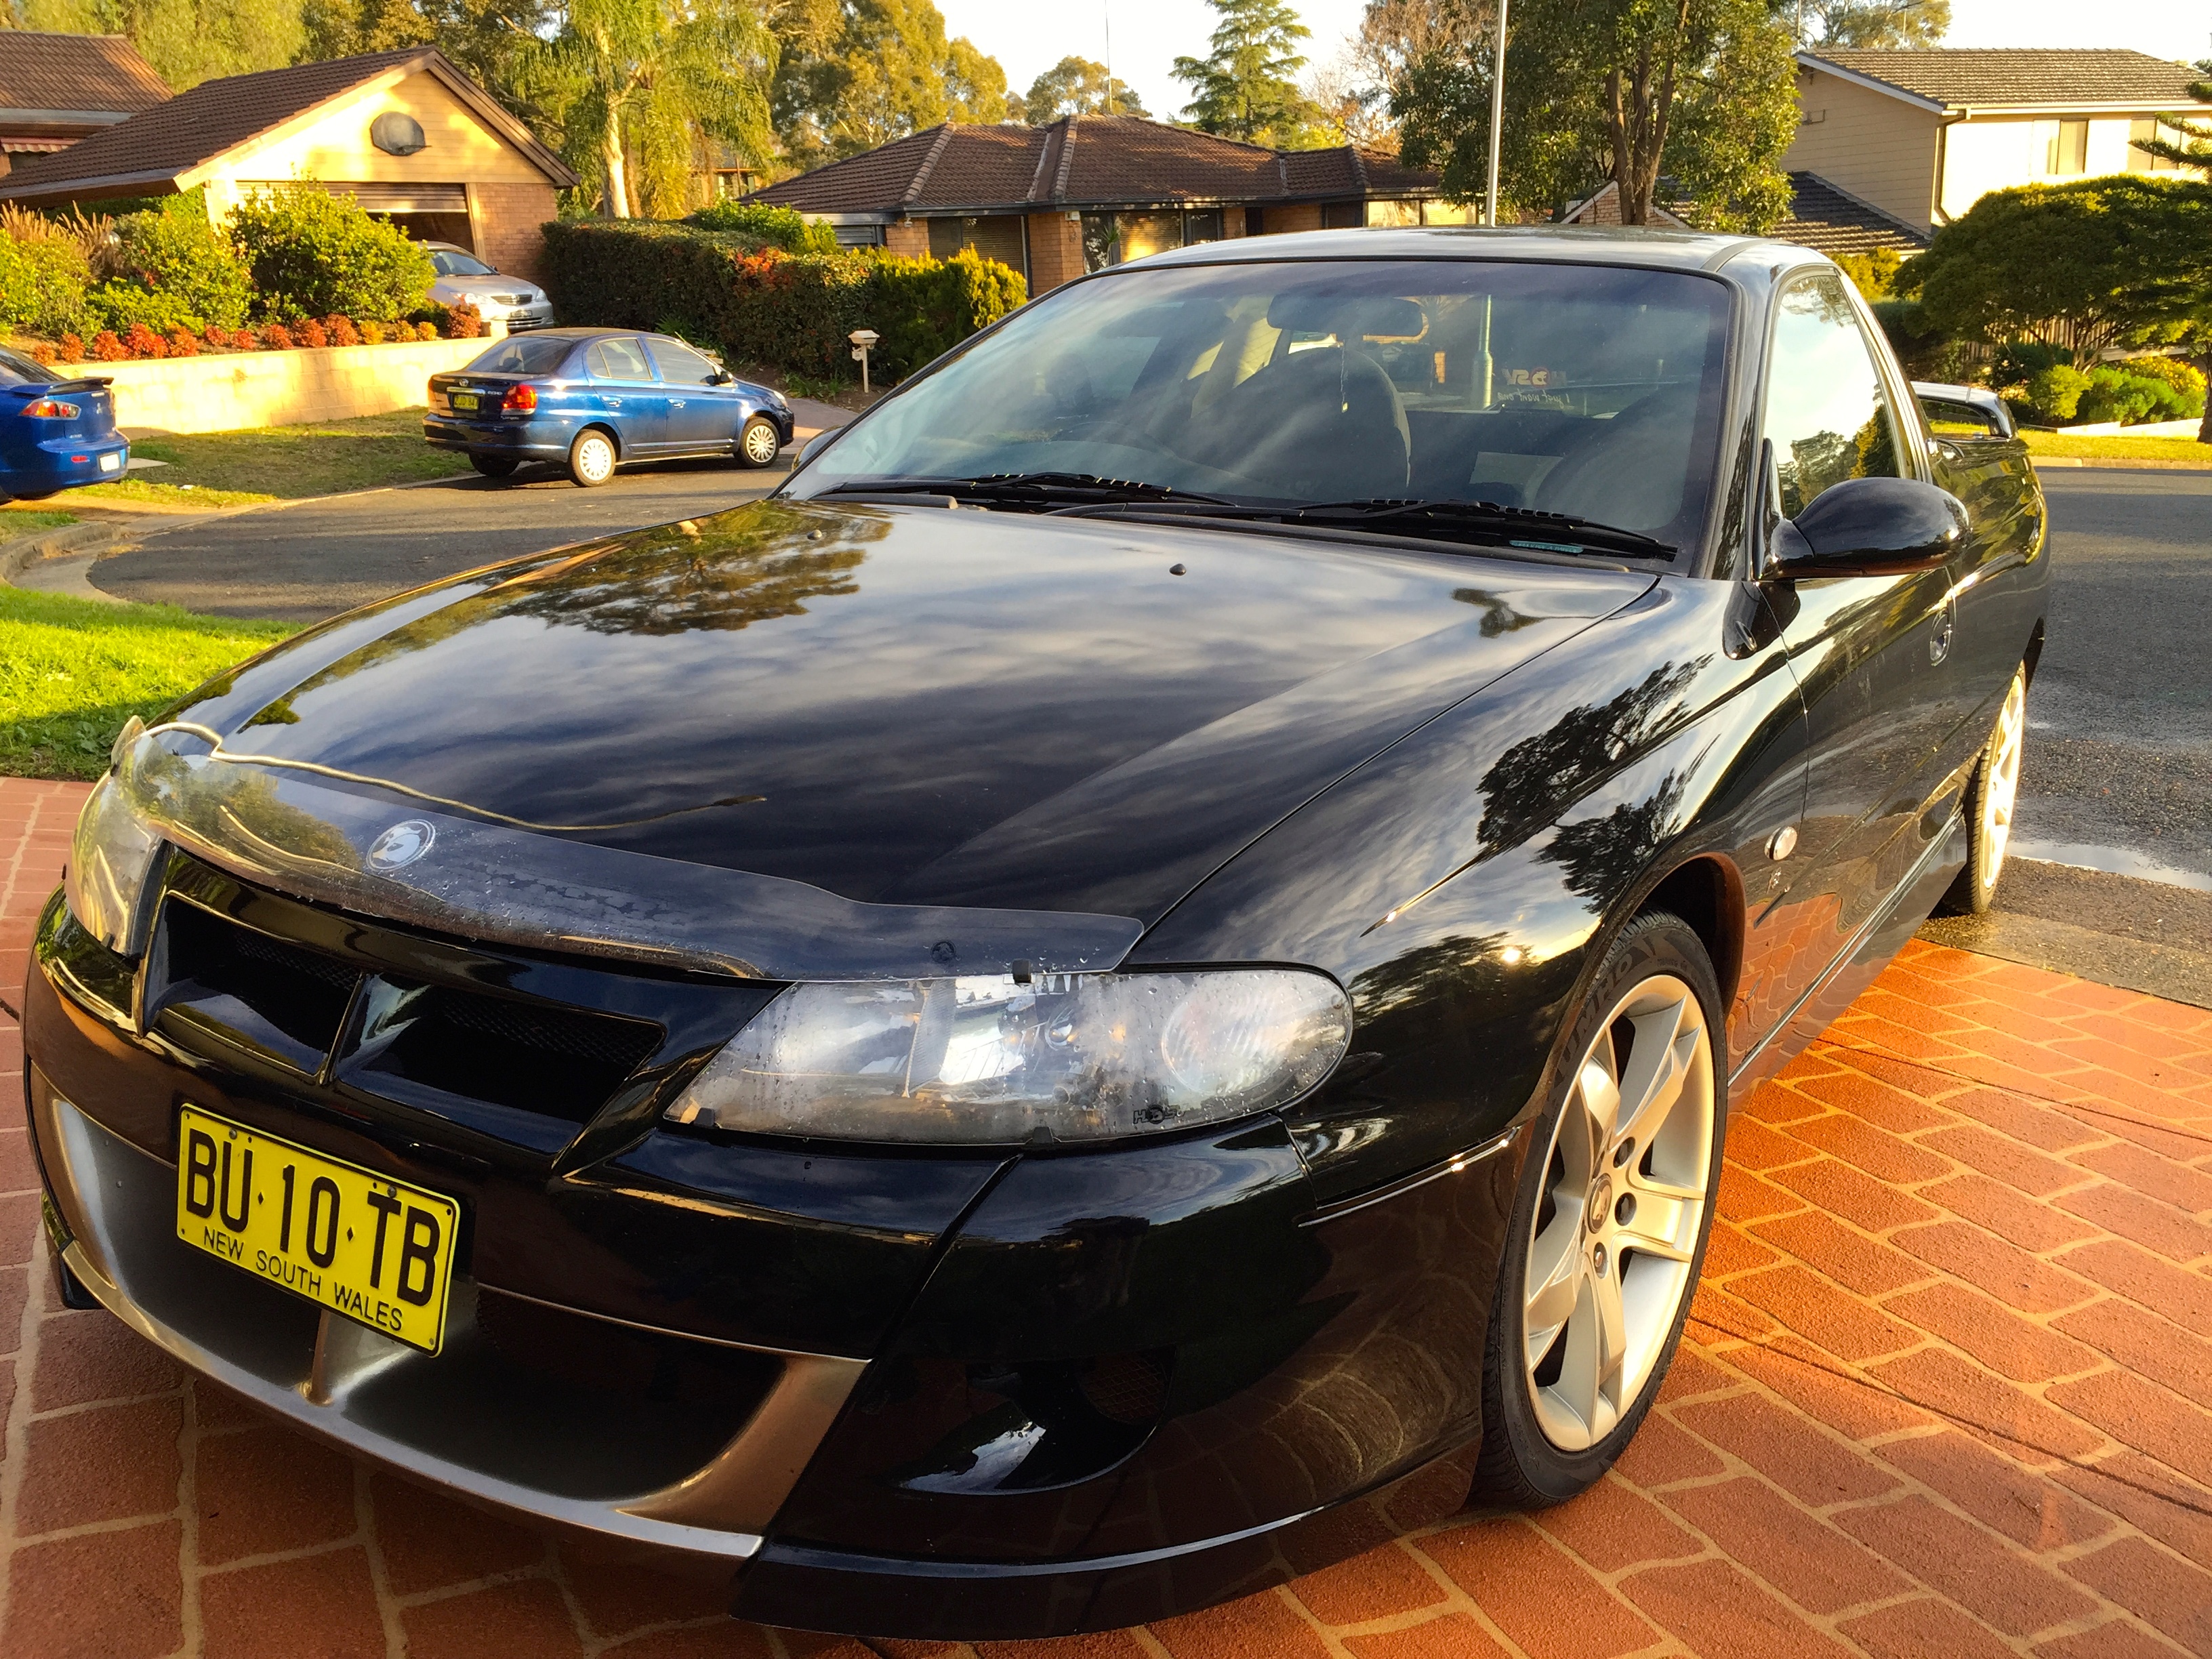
x: 401, y: 845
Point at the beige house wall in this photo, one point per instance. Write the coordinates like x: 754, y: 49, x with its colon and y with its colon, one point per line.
x: 909, y: 237
x: 281, y: 388
x: 1984, y: 153
x: 1879, y: 148
x: 1055, y: 250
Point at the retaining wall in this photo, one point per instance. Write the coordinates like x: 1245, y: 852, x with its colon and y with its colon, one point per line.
x: 278, y: 388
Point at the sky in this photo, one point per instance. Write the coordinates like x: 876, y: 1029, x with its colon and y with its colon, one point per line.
x: 1029, y: 37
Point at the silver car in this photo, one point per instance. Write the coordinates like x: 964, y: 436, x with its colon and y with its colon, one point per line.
x: 464, y: 279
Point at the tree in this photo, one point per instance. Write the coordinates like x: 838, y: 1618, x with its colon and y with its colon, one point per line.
x: 637, y: 83
x: 854, y: 74
x: 1851, y: 23
x: 1703, y: 92
x: 1245, y: 87
x: 1395, y: 35
x: 186, y: 41
x: 1076, y: 86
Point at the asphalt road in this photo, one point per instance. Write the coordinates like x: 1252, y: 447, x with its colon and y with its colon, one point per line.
x: 308, y: 561
x: 2118, y: 773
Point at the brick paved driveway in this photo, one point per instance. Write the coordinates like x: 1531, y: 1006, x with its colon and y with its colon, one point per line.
x: 1947, y: 1391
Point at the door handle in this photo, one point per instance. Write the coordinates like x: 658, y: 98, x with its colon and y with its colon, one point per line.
x: 614, y: 403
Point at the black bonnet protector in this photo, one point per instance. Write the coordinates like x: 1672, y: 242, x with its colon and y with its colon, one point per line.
x: 316, y: 834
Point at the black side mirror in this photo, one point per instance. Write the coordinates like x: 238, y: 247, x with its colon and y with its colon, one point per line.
x: 1869, y: 527
x: 720, y: 377
x: 814, y: 446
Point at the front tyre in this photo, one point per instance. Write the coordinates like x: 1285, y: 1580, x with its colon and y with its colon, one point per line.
x: 758, y: 444
x: 1989, y: 804
x: 1610, y: 1223
x: 591, y: 459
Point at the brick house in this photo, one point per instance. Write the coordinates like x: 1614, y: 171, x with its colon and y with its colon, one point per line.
x: 1921, y: 135
x: 409, y: 136
x: 55, y: 89
x: 1092, y: 190
x: 1822, y: 215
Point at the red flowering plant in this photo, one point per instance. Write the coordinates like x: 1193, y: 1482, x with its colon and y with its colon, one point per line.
x: 106, y: 348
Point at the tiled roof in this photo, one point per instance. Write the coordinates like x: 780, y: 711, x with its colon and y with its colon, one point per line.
x: 1836, y: 221
x: 2004, y: 75
x: 215, y: 116
x: 75, y: 72
x: 1085, y: 161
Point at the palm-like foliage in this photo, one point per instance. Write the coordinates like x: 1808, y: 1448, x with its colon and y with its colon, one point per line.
x: 639, y: 85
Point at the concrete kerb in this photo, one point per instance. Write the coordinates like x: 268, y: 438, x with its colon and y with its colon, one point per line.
x: 62, y: 541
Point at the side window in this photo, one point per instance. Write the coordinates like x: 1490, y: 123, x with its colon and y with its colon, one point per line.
x: 681, y: 366
x: 1826, y: 415
x: 617, y: 359
x: 1950, y: 419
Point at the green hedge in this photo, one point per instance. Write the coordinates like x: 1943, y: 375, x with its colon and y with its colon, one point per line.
x: 759, y: 305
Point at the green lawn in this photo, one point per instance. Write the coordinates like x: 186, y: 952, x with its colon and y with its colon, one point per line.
x: 229, y: 469
x: 19, y: 520
x: 73, y: 671
x: 2186, y: 452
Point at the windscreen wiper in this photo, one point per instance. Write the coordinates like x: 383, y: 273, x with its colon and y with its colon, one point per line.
x: 1040, y: 490
x: 1513, y: 526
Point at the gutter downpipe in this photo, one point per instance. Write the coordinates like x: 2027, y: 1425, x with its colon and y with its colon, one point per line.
x: 1938, y: 217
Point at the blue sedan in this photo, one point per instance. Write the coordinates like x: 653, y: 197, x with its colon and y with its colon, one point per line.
x: 54, y: 434
x: 593, y: 399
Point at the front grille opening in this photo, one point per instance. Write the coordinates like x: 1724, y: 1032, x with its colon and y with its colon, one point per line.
x: 275, y: 993
x: 557, y: 1062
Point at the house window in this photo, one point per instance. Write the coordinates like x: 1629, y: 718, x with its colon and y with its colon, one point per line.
x: 1342, y: 216
x: 2141, y: 131
x: 2065, y: 147
x: 995, y: 236
x: 1113, y: 239
x: 859, y: 235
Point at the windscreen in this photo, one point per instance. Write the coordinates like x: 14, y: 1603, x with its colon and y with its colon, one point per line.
x: 459, y: 264
x: 1575, y: 389
x: 541, y: 355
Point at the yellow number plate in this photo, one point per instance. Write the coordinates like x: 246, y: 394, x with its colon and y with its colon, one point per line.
x: 376, y: 1250
x: 463, y: 400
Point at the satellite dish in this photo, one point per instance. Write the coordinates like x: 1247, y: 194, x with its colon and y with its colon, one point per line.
x: 396, y: 135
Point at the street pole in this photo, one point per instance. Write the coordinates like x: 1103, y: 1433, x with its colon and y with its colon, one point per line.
x: 1497, y: 118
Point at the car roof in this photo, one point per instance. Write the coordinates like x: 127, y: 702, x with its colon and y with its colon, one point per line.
x: 1666, y: 250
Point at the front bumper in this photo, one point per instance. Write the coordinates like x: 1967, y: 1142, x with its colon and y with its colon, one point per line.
x: 952, y: 1395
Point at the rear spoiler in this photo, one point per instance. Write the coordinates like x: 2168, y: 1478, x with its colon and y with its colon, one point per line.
x: 85, y: 383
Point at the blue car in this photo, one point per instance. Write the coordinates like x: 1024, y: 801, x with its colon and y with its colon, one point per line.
x: 593, y: 399
x: 55, y: 433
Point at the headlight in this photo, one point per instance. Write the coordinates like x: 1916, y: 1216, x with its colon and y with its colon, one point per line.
x: 109, y: 861
x: 1062, y: 1057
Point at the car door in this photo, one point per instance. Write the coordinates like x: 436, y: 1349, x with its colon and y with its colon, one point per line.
x: 702, y: 412
x: 1869, y: 652
x: 624, y: 389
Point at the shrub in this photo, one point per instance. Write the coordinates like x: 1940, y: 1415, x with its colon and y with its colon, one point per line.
x: 70, y: 349
x: 372, y: 333
x: 2186, y: 379
x: 182, y: 344
x: 2054, y: 394
x: 2113, y: 394
x: 761, y: 306
x: 773, y: 227
x: 106, y: 348
x: 310, y: 254
x: 425, y: 330
x: 310, y: 334
x: 275, y: 336
x: 341, y: 330
x: 464, y: 322
x: 143, y: 341
x: 42, y: 285
x: 123, y: 305
x: 1874, y: 271
x: 173, y: 251
x: 42, y: 353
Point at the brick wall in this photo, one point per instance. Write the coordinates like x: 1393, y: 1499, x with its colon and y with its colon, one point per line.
x: 909, y: 237
x: 506, y: 220
x: 1055, y: 250
x: 1295, y: 216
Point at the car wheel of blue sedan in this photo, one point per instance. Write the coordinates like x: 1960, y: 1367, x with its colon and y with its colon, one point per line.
x: 1614, y: 1206
x: 495, y: 467
x: 591, y: 459
x: 758, y: 443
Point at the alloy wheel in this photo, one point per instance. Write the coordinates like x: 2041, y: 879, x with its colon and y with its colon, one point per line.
x: 2003, y: 786
x: 1620, y: 1213
x: 760, y: 443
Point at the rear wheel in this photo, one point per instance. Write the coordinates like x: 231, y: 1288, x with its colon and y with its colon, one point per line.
x: 494, y: 466
x: 1610, y: 1223
x: 1989, y: 806
x: 758, y: 443
x: 591, y: 459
